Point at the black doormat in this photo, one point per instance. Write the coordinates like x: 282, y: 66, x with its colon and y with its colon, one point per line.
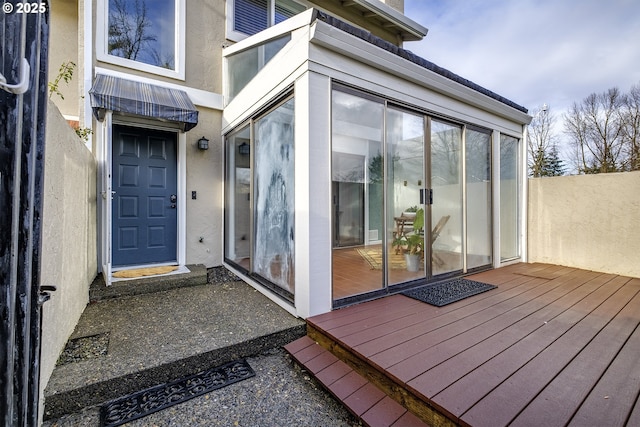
x: 448, y: 292
x: 157, y: 398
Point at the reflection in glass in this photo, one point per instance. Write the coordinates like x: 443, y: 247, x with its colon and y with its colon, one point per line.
x: 245, y: 65
x: 478, y: 171
x: 446, y: 174
x: 238, y: 203
x: 274, y: 197
x: 357, y: 183
x: 348, y: 189
x: 405, y: 178
x: 509, y: 212
x: 143, y: 31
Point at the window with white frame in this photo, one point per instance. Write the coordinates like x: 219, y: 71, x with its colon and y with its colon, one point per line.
x: 143, y: 34
x: 248, y: 17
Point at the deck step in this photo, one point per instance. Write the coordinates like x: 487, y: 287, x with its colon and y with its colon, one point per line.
x: 361, y: 397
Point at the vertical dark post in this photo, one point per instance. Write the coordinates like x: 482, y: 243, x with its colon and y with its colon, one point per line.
x: 22, y: 138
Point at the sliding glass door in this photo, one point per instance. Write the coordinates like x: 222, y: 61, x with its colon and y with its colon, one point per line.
x: 238, y: 194
x: 259, y: 207
x: 411, y: 196
x: 509, y: 197
x: 406, y: 231
x: 273, y: 181
x: 447, y: 208
x: 479, y: 246
x: 357, y: 182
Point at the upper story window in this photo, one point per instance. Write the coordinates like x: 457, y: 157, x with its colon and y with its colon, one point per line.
x: 147, y: 35
x: 248, y: 17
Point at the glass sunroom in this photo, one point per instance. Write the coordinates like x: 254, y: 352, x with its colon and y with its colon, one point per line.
x: 354, y: 169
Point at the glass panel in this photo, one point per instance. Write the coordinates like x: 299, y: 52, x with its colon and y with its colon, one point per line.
x: 478, y: 170
x: 243, y: 66
x: 509, y: 214
x: 250, y: 16
x: 348, y: 174
x: 238, y: 203
x: 274, y: 197
x: 446, y: 212
x: 357, y: 175
x: 405, y: 179
x: 143, y: 31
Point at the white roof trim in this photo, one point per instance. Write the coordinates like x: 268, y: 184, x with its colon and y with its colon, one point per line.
x: 387, y: 12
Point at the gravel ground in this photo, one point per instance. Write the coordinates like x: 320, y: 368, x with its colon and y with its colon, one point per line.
x: 281, y: 394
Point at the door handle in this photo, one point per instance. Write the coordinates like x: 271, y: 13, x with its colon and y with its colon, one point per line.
x: 173, y: 199
x: 426, y: 196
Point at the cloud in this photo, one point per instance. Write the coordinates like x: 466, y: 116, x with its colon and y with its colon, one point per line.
x: 533, y: 52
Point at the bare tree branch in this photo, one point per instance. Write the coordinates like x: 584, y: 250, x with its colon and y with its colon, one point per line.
x: 129, y: 30
x: 631, y: 127
x: 595, y: 128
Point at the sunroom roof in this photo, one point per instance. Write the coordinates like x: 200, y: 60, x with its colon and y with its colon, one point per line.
x: 360, y: 45
x: 410, y: 56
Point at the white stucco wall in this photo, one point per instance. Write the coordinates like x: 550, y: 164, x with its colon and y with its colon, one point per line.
x: 64, y: 48
x: 205, y: 176
x: 587, y: 221
x: 68, y: 235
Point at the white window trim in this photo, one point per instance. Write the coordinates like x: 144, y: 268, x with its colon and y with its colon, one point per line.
x: 102, y: 36
x: 237, y: 36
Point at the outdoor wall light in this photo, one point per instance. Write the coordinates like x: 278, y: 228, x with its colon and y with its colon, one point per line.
x: 244, y: 148
x: 203, y: 143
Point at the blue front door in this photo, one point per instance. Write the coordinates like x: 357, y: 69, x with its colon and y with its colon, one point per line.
x: 144, y: 182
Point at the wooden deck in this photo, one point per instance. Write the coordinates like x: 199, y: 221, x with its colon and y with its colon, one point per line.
x: 551, y: 346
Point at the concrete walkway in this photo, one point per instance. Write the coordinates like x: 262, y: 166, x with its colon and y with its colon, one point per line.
x: 281, y: 394
x: 158, y: 337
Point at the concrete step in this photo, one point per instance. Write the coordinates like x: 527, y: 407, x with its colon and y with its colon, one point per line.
x: 195, y: 275
x: 133, y: 342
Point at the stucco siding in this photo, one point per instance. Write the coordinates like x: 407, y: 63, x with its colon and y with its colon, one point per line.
x: 69, y: 235
x: 588, y: 221
x: 205, y: 176
x: 64, y: 38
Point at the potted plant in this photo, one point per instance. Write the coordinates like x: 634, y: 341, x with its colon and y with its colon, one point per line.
x: 412, y: 244
x: 410, y: 211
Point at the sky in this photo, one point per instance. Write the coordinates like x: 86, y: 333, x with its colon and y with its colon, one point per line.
x: 534, y: 52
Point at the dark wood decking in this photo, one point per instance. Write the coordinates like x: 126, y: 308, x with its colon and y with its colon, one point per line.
x: 551, y: 346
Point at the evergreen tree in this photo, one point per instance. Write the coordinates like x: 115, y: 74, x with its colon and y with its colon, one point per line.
x: 541, y: 141
x: 552, y: 165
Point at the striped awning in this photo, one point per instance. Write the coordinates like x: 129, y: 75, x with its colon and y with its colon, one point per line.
x: 142, y: 99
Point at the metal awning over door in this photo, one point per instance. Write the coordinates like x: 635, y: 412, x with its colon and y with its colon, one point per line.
x: 142, y: 99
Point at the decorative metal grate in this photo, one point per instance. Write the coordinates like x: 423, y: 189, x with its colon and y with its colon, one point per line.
x: 157, y: 398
